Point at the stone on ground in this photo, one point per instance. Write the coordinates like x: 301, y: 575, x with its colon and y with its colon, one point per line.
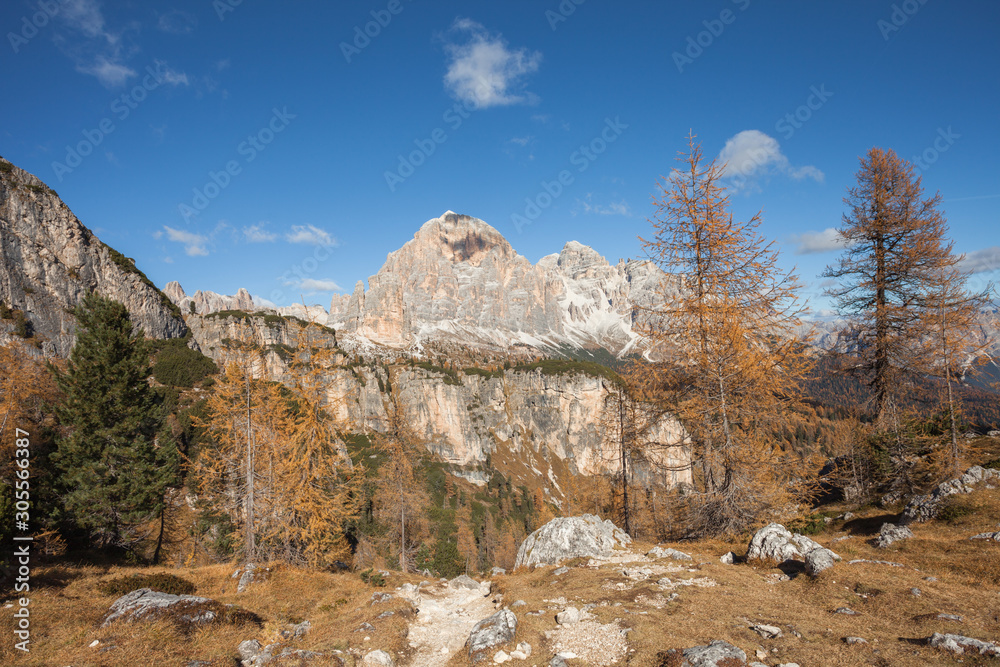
x: 818, y: 560
x: 585, y: 536
x: 890, y: 534
x: 490, y: 633
x: 775, y: 542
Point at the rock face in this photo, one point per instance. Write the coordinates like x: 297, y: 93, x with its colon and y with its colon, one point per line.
x: 571, y: 537
x: 490, y: 633
x: 926, y: 507
x: 49, y: 261
x: 540, y: 424
x: 775, y: 542
x: 459, y: 280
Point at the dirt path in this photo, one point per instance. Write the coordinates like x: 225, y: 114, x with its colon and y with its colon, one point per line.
x: 446, y: 617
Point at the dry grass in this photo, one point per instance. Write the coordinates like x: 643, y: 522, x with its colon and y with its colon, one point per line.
x: 67, y: 604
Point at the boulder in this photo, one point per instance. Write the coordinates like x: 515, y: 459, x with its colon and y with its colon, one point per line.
x: 568, y: 616
x: 464, y: 581
x: 185, y: 610
x: 995, y: 537
x: 775, y: 542
x: 716, y: 654
x: 674, y: 554
x: 563, y: 538
x: 728, y: 558
x: 490, y: 633
x: 767, y: 631
x: 890, y: 534
x: 377, y: 659
x: 820, y: 559
x: 962, y: 645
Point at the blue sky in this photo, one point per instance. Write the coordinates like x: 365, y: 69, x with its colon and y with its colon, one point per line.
x: 277, y: 147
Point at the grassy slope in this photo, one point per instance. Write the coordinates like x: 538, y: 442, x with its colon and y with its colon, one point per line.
x: 67, y: 605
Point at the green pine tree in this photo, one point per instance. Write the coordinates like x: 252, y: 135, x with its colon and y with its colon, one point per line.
x: 113, y: 469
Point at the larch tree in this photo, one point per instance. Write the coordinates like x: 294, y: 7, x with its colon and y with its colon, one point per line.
x: 890, y: 276
x: 722, y: 334
x: 315, y: 486
x: 114, y: 461
x: 245, y: 415
x: 955, y: 340
x: 400, y: 500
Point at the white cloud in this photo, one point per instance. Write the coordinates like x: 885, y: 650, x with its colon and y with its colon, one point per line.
x: 982, y: 261
x: 311, y: 235
x: 257, y: 234
x: 751, y: 155
x: 85, y: 16
x: 522, y: 141
x: 111, y: 74
x: 483, y: 72
x: 808, y: 243
x: 314, y: 285
x: 194, y: 244
x: 611, y: 208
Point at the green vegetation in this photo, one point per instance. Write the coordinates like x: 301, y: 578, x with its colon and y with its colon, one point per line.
x: 372, y: 578
x: 114, y: 461
x: 482, y: 372
x: 162, y: 582
x: 450, y: 375
x: 178, y: 365
x: 570, y: 367
x: 6, y: 167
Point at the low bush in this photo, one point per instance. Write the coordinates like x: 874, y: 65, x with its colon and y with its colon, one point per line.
x: 164, y: 583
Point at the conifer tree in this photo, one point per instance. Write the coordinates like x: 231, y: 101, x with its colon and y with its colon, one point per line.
x: 893, y: 277
x: 722, y: 337
x: 113, y: 470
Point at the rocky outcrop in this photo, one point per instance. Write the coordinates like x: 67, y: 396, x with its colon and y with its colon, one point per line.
x: 715, y: 654
x: 563, y: 538
x: 926, y: 507
x: 459, y: 280
x: 49, y: 261
x: 962, y: 645
x: 206, y: 302
x: 185, y: 610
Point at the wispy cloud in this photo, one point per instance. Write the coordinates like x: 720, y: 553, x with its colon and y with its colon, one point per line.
x: 177, y: 22
x: 751, y: 155
x: 982, y: 261
x: 257, y: 234
x: 311, y: 235
x: 611, y: 208
x: 483, y: 71
x: 808, y: 243
x: 314, y: 285
x: 194, y: 244
x: 111, y: 74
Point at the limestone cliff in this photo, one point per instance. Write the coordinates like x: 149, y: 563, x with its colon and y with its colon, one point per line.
x: 49, y: 261
x: 527, y: 422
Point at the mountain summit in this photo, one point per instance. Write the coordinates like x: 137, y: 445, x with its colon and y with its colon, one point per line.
x: 460, y: 281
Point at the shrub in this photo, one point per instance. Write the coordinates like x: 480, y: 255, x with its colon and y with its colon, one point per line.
x: 369, y: 576
x: 178, y: 365
x: 164, y: 583
x: 954, y: 509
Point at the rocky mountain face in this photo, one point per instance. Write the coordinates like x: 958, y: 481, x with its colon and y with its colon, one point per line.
x: 49, y: 261
x: 459, y: 280
x: 527, y: 423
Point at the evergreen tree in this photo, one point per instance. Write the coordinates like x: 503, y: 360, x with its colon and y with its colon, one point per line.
x: 112, y: 472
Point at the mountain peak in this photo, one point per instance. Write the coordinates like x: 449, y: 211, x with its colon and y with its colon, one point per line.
x: 461, y: 238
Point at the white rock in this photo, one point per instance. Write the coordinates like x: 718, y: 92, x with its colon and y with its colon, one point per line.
x: 501, y: 657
